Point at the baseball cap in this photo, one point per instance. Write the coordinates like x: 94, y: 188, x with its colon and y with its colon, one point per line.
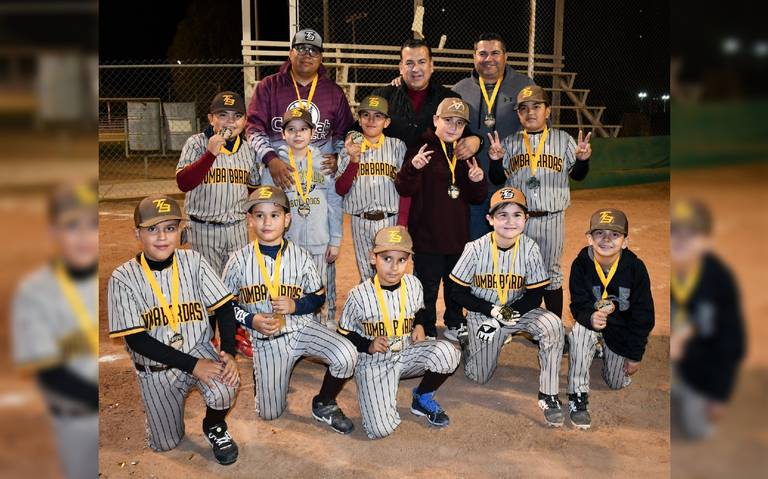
x: 298, y: 114
x: 228, y: 100
x: 453, y: 107
x: 609, y: 219
x: 156, y: 209
x: 68, y: 200
x: 691, y: 214
x: 267, y: 194
x: 374, y: 103
x: 532, y: 93
x: 393, y: 238
x: 507, y: 195
x: 307, y: 37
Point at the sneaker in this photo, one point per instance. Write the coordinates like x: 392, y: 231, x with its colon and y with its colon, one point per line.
x: 577, y: 410
x: 462, y: 335
x: 454, y: 334
x: 331, y: 414
x: 224, y: 447
x: 553, y: 411
x: 425, y: 405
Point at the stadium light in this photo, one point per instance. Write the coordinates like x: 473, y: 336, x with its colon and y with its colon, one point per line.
x: 642, y: 95
x: 760, y: 49
x: 665, y: 97
x: 731, y: 46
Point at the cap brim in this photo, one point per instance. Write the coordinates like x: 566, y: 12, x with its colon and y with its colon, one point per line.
x: 381, y: 249
x: 251, y: 203
x: 158, y: 220
x: 502, y: 203
x: 609, y: 228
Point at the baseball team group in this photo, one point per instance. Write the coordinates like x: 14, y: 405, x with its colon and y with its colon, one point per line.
x: 471, y: 184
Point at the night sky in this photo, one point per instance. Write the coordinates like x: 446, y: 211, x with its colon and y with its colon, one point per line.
x: 617, y: 48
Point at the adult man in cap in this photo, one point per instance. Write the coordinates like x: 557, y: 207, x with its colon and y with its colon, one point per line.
x: 301, y: 82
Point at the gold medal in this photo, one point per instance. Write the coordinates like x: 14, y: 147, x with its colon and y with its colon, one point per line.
x: 453, y: 192
x: 169, y: 309
x: 389, y: 324
x: 304, y: 209
x: 605, y: 305
x: 303, y: 192
x: 356, y: 137
x: 176, y: 341
x: 397, y: 345
x: 533, y: 182
x: 87, y: 321
x: 273, y: 284
x: 280, y: 318
x: 490, y: 121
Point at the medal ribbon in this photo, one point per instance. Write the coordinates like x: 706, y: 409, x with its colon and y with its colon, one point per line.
x: 388, y: 324
x: 451, y: 162
x: 234, y: 147
x: 682, y: 291
x: 87, y: 322
x: 367, y: 144
x: 311, y: 92
x: 539, y: 149
x: 308, y: 175
x: 170, y: 310
x: 490, y: 102
x: 274, y: 285
x: 503, y: 292
x: 602, y: 277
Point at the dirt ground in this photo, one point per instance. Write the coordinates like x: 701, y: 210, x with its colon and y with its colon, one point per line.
x: 496, y: 430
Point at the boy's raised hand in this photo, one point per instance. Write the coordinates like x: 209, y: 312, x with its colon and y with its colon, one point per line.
x: 583, y: 148
x: 495, y: 151
x: 476, y: 173
x: 422, y: 157
x: 353, y: 149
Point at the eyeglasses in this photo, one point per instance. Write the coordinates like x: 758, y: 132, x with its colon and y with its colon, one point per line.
x: 305, y: 50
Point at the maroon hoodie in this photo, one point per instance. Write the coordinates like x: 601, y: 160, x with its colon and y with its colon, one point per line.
x: 275, y: 94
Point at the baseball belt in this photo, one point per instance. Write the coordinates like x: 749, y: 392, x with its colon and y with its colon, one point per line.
x: 376, y: 215
x: 537, y: 214
x: 198, y: 220
x: 272, y: 338
x: 150, y: 369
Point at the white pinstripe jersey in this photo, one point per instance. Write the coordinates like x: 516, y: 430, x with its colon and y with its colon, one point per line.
x: 362, y: 313
x: 556, y: 161
x: 134, y: 308
x: 298, y: 276
x: 374, y: 186
x: 475, y: 269
x: 220, y: 197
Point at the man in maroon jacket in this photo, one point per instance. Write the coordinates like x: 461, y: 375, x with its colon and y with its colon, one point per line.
x: 442, y: 188
x: 301, y: 82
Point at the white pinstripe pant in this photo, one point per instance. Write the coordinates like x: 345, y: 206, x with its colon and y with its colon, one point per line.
x: 363, y: 233
x: 217, y: 242
x: 164, y: 392
x: 549, y: 234
x: 273, y: 363
x: 327, y: 274
x: 583, y: 343
x: 378, y: 376
x: 481, y: 359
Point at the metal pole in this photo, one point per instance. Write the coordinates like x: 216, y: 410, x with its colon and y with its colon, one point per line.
x: 326, y: 23
x: 293, y: 18
x: 249, y: 73
x: 531, y: 38
x: 558, y: 52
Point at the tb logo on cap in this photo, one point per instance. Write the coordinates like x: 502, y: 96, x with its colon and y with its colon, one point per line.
x: 265, y: 193
x: 374, y: 101
x: 229, y: 100
x: 162, y: 206
x: 507, y: 194
x: 458, y: 106
x: 526, y: 92
x: 395, y: 236
x: 606, y: 217
x: 309, y: 36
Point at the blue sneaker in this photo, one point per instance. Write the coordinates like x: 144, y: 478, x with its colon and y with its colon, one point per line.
x: 425, y: 405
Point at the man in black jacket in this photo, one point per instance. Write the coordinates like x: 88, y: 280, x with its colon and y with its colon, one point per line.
x: 610, y: 296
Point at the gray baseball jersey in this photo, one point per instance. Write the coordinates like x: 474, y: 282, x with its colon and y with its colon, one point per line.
x: 274, y: 357
x: 373, y: 190
x: 133, y: 307
x: 475, y: 270
x: 378, y: 375
x: 219, y: 199
x: 46, y: 333
x: 583, y: 343
x: 552, y: 195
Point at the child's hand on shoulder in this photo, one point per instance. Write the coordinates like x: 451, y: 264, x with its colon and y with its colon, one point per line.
x: 380, y: 344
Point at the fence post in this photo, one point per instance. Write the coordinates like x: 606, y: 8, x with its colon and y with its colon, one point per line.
x: 558, y: 51
x: 531, y: 38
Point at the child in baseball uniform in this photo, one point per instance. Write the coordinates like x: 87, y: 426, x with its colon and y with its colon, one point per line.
x: 278, y: 289
x: 379, y: 318
x: 157, y: 301
x: 316, y: 208
x: 500, y: 279
x: 368, y: 166
x: 610, y: 297
x: 538, y: 161
x: 216, y: 169
x: 56, y: 330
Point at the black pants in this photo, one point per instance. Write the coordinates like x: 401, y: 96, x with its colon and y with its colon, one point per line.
x: 430, y: 269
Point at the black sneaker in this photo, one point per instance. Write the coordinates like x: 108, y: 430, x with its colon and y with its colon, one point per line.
x: 331, y: 414
x: 224, y: 447
x: 425, y: 405
x: 578, y: 411
x: 553, y: 411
